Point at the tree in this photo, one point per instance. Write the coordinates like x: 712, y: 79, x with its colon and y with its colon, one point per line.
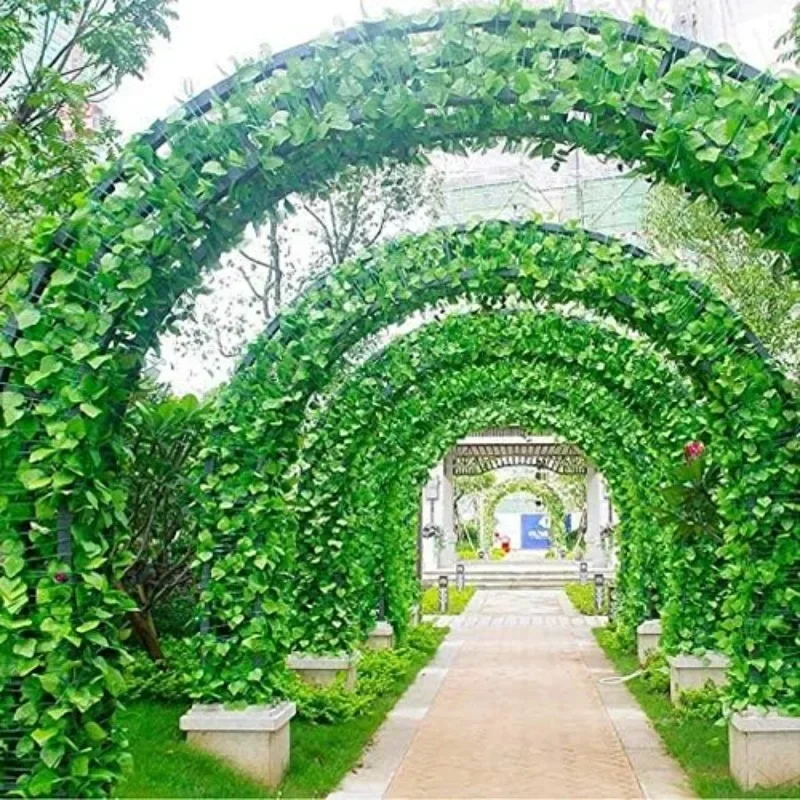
x: 305, y: 236
x: 163, y: 438
x: 755, y: 281
x: 791, y: 39
x: 58, y: 59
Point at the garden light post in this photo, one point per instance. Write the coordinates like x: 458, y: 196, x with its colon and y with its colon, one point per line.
x: 599, y: 586
x: 444, y: 583
x: 460, y: 576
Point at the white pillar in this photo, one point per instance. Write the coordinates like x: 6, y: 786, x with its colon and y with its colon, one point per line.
x: 447, y: 554
x: 596, y: 516
x: 438, y: 510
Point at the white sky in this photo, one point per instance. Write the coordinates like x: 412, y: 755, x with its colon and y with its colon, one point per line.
x: 211, y: 34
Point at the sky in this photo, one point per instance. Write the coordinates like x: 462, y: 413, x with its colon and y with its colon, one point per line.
x: 212, y: 34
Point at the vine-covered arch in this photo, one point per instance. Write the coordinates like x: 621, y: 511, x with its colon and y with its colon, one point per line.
x: 108, y: 278
x: 387, y: 411
x: 550, y: 498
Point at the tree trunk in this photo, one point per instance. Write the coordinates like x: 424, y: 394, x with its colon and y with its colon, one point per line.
x: 146, y: 633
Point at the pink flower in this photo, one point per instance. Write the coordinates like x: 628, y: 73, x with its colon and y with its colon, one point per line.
x: 693, y: 450
x: 61, y: 577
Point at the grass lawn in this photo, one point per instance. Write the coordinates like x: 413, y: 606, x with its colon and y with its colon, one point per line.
x: 700, y: 747
x: 165, y: 766
x: 457, y: 599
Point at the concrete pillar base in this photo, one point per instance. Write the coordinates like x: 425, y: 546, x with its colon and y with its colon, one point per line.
x: 324, y: 670
x: 693, y: 672
x: 254, y: 740
x: 764, y: 749
x: 381, y: 637
x: 648, y: 638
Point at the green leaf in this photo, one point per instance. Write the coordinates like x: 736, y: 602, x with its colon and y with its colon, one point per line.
x: 138, y: 277
x: 213, y: 168
x: 95, y: 733
x: 90, y: 410
x: 27, y: 318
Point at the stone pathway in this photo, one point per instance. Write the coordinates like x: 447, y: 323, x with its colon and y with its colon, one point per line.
x: 511, y: 707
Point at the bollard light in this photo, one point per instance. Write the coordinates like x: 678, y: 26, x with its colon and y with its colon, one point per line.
x: 612, y: 602
x: 584, y: 573
x: 444, y: 582
x: 599, y: 585
x: 461, y: 576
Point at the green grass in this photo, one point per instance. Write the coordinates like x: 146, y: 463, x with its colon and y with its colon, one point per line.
x: 165, y: 766
x: 457, y: 599
x: 701, y: 747
x: 582, y: 597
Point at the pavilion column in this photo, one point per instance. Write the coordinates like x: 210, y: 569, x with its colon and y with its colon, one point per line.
x: 447, y: 553
x: 438, y: 510
x: 596, y: 516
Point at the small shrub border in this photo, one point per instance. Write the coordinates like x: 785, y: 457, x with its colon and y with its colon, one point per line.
x: 457, y: 600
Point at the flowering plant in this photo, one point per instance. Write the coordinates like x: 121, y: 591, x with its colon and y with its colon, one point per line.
x: 690, y: 502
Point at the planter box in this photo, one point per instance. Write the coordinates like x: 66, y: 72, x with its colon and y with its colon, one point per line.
x: 254, y: 740
x: 764, y: 749
x: 382, y: 637
x: 693, y: 672
x: 324, y: 670
x: 648, y: 638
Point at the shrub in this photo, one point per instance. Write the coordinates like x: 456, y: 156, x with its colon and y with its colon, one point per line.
x: 457, y: 599
x: 582, y: 597
x: 167, y: 681
x: 379, y: 673
x: 701, y: 704
x: 655, y: 673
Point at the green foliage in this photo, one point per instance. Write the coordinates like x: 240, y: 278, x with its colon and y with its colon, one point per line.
x: 757, y: 282
x: 457, y: 599
x: 582, y: 597
x: 166, y: 681
x: 703, y: 704
x: 57, y: 59
x: 124, y: 256
x: 163, y: 436
x: 655, y: 674
x: 791, y: 39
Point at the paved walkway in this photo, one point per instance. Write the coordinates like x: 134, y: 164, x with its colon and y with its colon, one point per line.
x: 511, y: 707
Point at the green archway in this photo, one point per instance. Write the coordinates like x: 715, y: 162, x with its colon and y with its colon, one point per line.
x: 543, y: 491
x: 80, y: 323
x: 395, y: 392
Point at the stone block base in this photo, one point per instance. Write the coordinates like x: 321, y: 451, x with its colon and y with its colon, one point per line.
x: 694, y: 672
x: 382, y: 637
x: 764, y: 750
x: 648, y: 638
x: 324, y: 670
x: 254, y: 740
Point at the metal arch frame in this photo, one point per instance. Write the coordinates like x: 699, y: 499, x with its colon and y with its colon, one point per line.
x: 198, y: 106
x: 702, y: 292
